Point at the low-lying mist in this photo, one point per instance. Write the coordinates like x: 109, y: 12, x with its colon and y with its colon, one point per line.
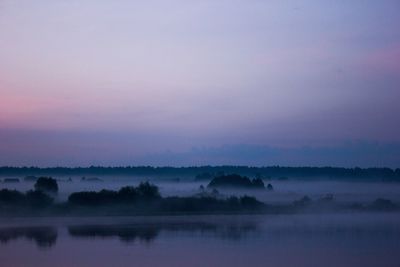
x: 283, y: 191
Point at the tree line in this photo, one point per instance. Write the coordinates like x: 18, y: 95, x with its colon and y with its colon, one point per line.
x: 385, y: 174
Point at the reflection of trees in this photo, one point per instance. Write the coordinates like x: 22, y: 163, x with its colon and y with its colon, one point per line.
x: 44, y: 237
x: 236, y: 232
x: 124, y: 233
x: 233, y: 231
x: 149, y: 232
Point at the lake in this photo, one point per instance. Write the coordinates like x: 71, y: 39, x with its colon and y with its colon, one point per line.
x: 349, y: 239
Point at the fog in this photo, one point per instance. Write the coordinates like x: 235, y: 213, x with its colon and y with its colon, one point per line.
x: 331, y: 238
x: 284, y: 191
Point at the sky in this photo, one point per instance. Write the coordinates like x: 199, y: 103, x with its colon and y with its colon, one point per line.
x: 194, y: 82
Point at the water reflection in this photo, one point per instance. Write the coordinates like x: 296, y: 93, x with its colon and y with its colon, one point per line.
x: 149, y: 232
x: 44, y: 237
x: 344, y: 240
x: 125, y: 234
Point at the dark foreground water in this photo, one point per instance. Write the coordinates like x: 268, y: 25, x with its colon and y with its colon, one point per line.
x: 371, y: 239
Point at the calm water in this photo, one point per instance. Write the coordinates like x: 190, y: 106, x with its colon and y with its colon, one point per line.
x: 369, y: 239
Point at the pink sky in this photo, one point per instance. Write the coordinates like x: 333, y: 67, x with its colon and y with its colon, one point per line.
x: 189, y: 74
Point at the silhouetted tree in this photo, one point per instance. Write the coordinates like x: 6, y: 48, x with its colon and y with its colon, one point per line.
x: 47, y: 185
